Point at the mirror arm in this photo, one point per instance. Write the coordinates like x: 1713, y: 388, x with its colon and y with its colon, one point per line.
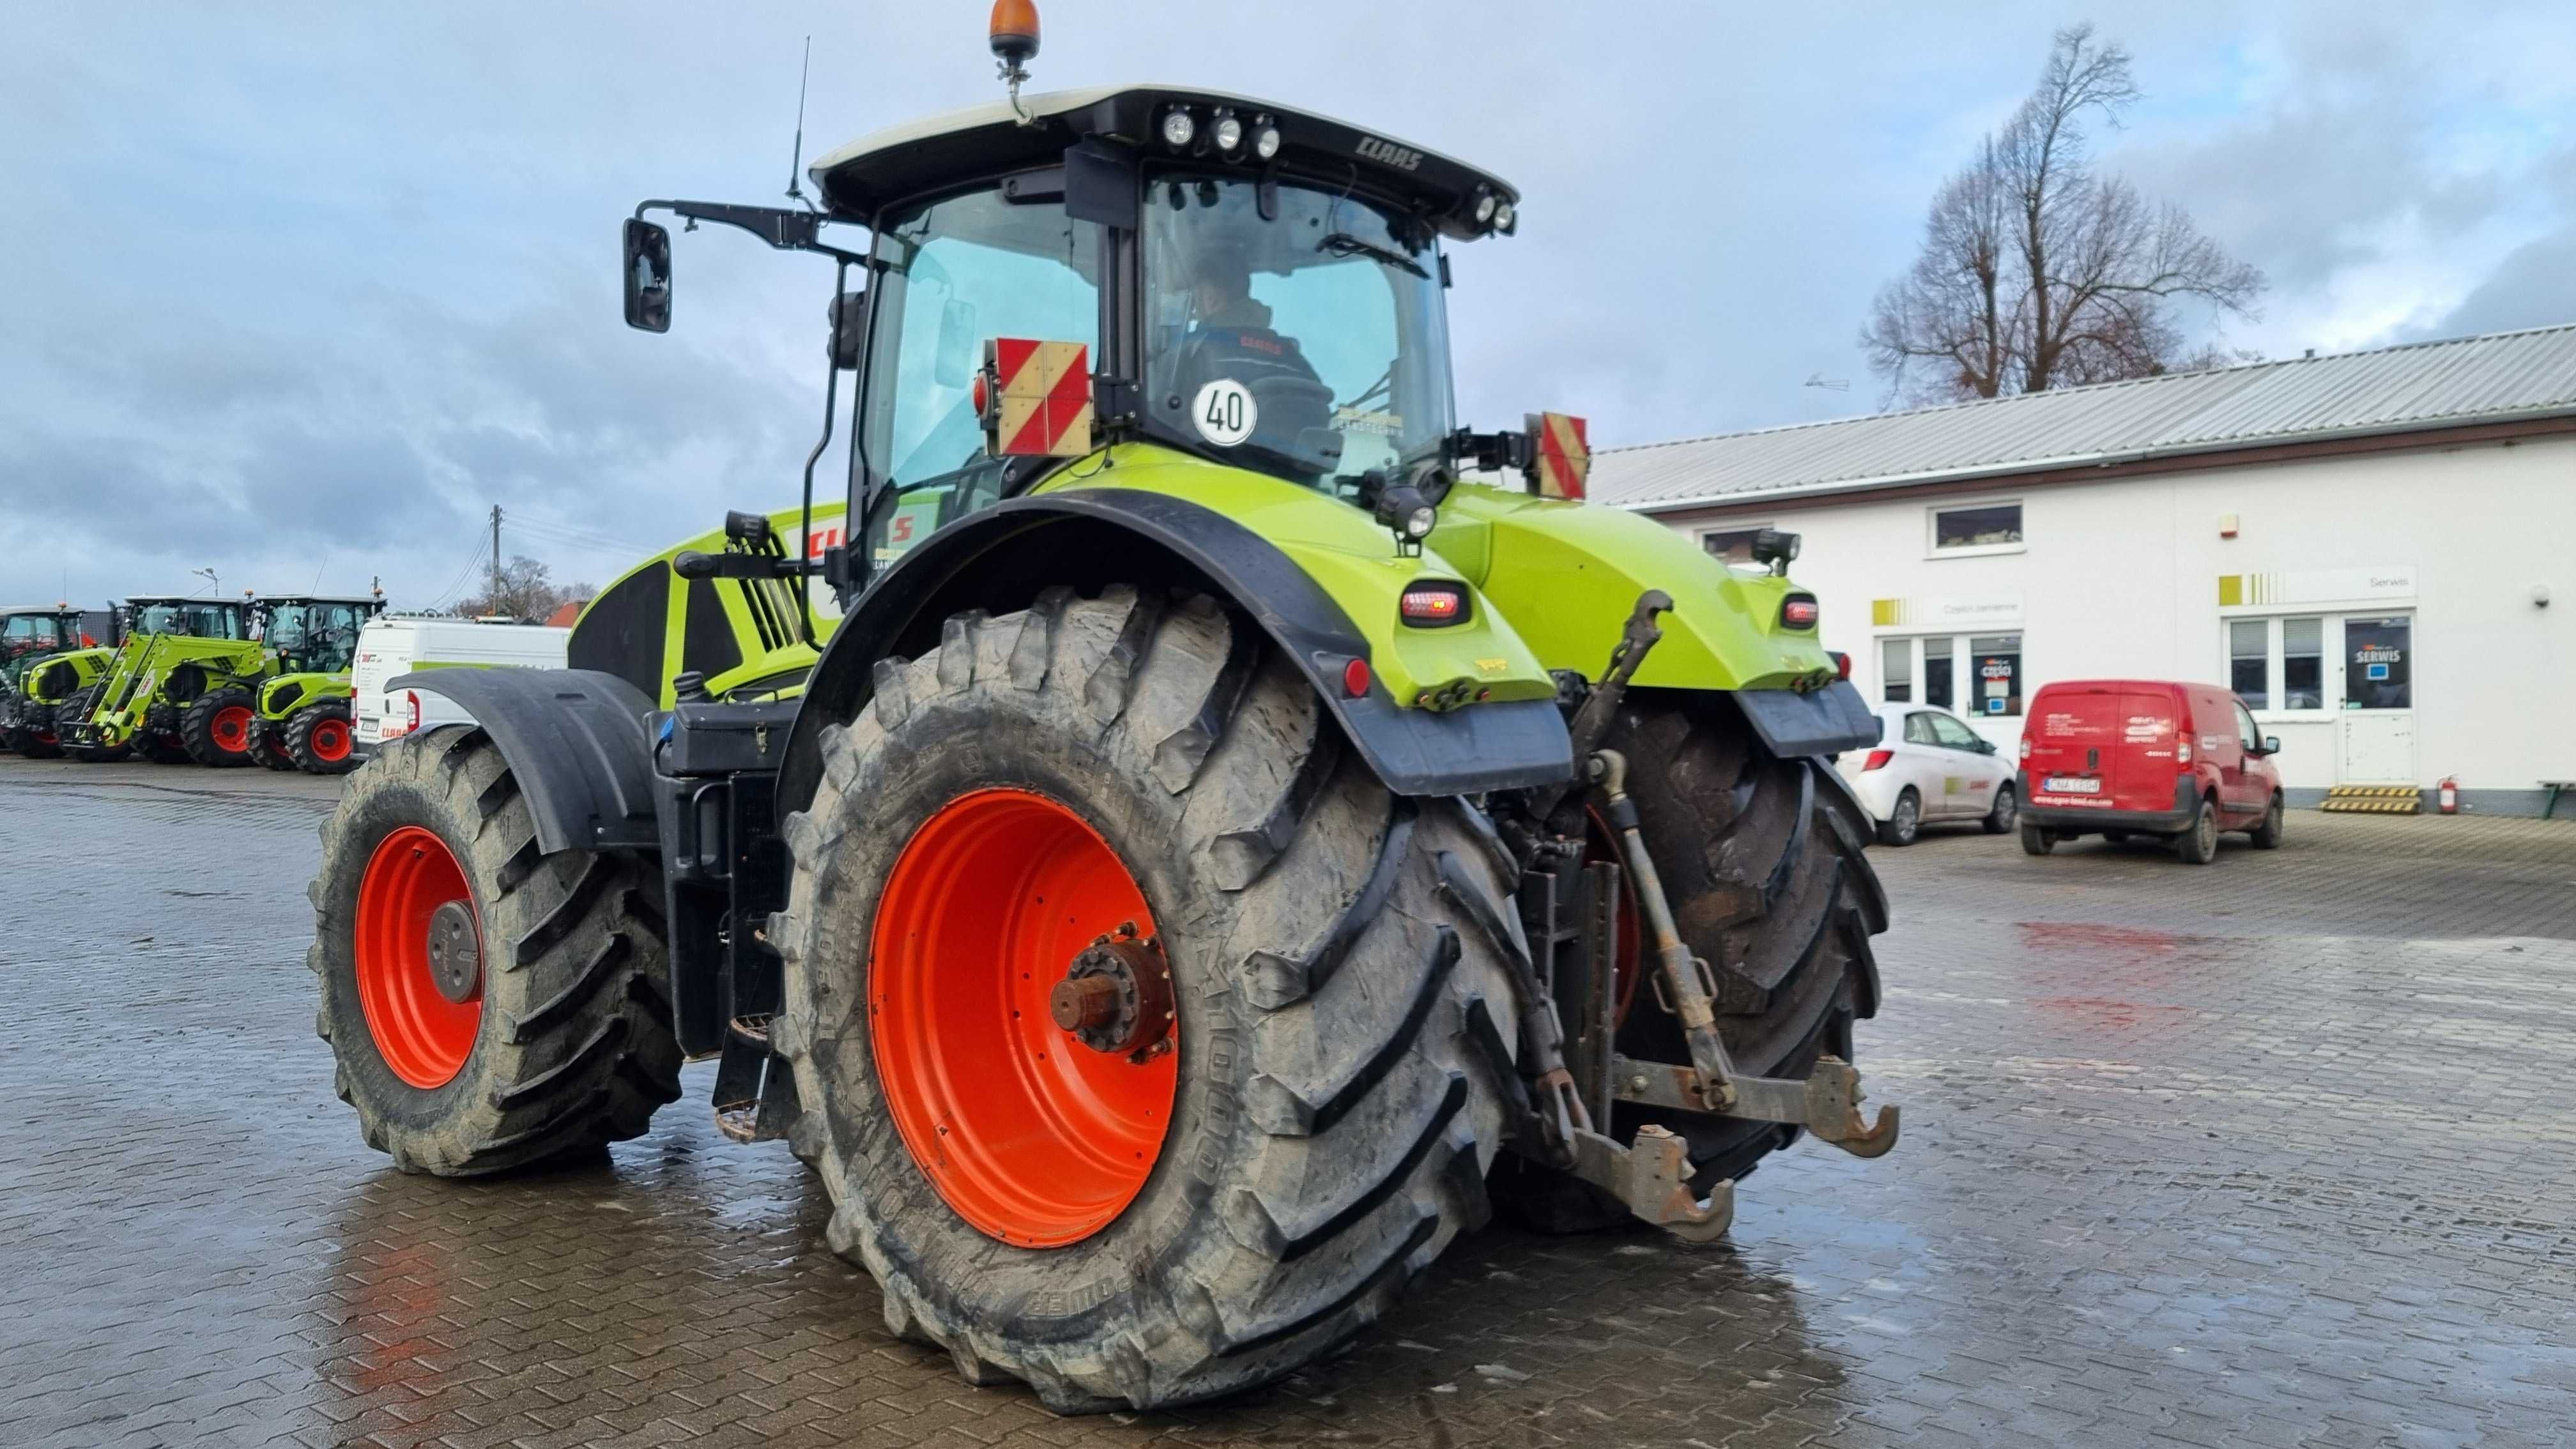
x: 788, y: 231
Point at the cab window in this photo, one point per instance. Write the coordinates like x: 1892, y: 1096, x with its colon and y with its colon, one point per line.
x: 2246, y: 734
x: 1949, y: 732
x: 955, y: 274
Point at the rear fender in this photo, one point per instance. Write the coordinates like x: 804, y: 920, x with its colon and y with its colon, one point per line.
x: 575, y: 740
x: 1001, y: 558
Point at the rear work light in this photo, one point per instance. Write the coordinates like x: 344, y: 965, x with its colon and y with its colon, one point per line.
x: 1433, y: 606
x: 1798, y: 611
x: 1877, y: 760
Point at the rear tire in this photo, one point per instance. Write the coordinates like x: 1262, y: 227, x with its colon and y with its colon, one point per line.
x: 2036, y: 841
x: 2007, y: 810
x: 318, y: 739
x: 1330, y: 1125
x: 2198, y: 844
x: 220, y: 727
x: 2267, y: 836
x: 1904, y: 822
x: 162, y: 749
x: 569, y: 1044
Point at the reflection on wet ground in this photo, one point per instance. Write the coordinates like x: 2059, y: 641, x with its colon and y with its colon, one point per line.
x: 2272, y: 1152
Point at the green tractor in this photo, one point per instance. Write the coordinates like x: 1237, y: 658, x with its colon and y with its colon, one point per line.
x: 301, y: 713
x: 171, y: 692
x: 44, y: 656
x: 1244, y: 828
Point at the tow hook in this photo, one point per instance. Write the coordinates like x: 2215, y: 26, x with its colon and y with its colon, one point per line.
x: 1826, y: 1103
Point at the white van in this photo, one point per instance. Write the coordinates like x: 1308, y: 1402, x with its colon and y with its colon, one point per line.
x: 389, y: 648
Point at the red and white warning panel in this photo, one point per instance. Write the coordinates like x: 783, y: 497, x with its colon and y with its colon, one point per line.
x: 1035, y: 398
x: 1560, y: 455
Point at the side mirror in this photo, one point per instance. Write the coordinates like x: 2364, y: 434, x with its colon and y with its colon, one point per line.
x: 648, y: 276
x: 849, y: 329
x: 2271, y: 744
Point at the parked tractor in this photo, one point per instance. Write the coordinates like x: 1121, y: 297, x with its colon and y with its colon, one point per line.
x: 301, y: 712
x: 1245, y: 827
x: 156, y: 696
x: 32, y: 684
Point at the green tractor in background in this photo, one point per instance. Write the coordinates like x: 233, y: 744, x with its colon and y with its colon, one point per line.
x: 1243, y: 827
x: 301, y: 712
x: 44, y: 657
x: 176, y: 688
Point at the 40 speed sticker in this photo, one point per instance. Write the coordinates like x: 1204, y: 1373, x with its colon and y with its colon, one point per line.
x: 1223, y: 412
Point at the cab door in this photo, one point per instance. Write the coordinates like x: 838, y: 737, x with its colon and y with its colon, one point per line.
x: 2220, y: 740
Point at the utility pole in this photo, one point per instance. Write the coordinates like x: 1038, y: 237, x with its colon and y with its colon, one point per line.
x: 495, y: 605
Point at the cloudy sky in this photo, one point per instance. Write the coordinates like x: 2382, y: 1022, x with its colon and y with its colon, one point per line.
x: 300, y: 294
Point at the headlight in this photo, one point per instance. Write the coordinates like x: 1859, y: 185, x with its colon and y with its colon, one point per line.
x: 1178, y: 128
x: 1503, y: 217
x: 1227, y: 132
x: 1265, y: 138
x: 1485, y: 208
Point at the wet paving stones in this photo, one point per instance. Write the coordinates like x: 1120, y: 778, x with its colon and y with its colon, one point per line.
x: 2273, y: 1152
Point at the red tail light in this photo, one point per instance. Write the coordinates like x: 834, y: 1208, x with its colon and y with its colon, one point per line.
x: 1877, y: 759
x: 2025, y: 747
x: 1798, y: 611
x: 1842, y: 662
x: 411, y: 708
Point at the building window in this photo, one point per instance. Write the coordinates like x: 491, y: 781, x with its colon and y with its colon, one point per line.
x: 1896, y: 671
x: 1992, y: 527
x: 2378, y: 663
x: 1735, y: 545
x: 1998, y: 661
x: 2303, y: 664
x: 2249, y: 661
x: 1937, y: 674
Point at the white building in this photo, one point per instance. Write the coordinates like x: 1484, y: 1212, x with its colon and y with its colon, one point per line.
x: 2377, y: 550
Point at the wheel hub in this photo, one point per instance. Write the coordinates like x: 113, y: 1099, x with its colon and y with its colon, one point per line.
x: 455, y: 952
x: 1116, y: 997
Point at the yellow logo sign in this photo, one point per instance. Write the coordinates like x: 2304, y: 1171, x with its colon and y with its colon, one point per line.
x: 1492, y: 666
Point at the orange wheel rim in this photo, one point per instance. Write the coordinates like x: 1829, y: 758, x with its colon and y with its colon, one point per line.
x: 423, y: 1037
x: 1030, y: 1135
x: 330, y: 741
x: 231, y: 729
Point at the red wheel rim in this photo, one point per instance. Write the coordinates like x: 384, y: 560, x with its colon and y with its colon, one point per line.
x: 231, y: 729
x: 1031, y: 1136
x: 423, y: 1037
x: 330, y: 739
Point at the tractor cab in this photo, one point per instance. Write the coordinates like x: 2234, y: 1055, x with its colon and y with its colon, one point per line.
x: 32, y: 633
x: 187, y: 617
x: 312, y: 635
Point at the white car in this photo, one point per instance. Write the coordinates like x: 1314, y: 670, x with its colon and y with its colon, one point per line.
x: 392, y: 646
x: 1929, y: 767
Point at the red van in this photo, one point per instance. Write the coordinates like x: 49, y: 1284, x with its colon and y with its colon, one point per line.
x: 2123, y: 757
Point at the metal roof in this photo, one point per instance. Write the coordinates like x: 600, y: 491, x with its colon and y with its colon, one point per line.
x: 2503, y: 377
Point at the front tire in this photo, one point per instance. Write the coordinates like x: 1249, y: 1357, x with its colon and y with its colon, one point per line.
x: 557, y: 1041
x: 318, y: 740
x: 219, y: 727
x: 2267, y: 836
x: 2007, y: 809
x: 1329, y: 1125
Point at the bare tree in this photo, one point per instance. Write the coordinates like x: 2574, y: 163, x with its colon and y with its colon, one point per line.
x: 2038, y: 273
x: 525, y: 592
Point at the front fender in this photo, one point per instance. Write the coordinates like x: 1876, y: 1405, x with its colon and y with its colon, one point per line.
x: 576, y: 743
x: 288, y: 692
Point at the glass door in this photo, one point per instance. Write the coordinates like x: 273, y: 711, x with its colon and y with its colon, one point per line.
x: 2376, y: 738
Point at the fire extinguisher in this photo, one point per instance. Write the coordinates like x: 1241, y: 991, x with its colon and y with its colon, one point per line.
x: 2450, y: 795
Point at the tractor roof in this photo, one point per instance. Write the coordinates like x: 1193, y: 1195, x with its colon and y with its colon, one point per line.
x: 318, y: 599
x: 942, y: 151
x: 9, y: 609
x: 147, y: 600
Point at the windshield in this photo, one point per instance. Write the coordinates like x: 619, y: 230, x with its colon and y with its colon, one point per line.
x: 1311, y: 344
x: 957, y: 273
x: 30, y: 634
x: 314, y: 638
x: 197, y: 621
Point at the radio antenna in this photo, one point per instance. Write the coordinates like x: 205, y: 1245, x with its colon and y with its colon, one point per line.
x: 796, y: 162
